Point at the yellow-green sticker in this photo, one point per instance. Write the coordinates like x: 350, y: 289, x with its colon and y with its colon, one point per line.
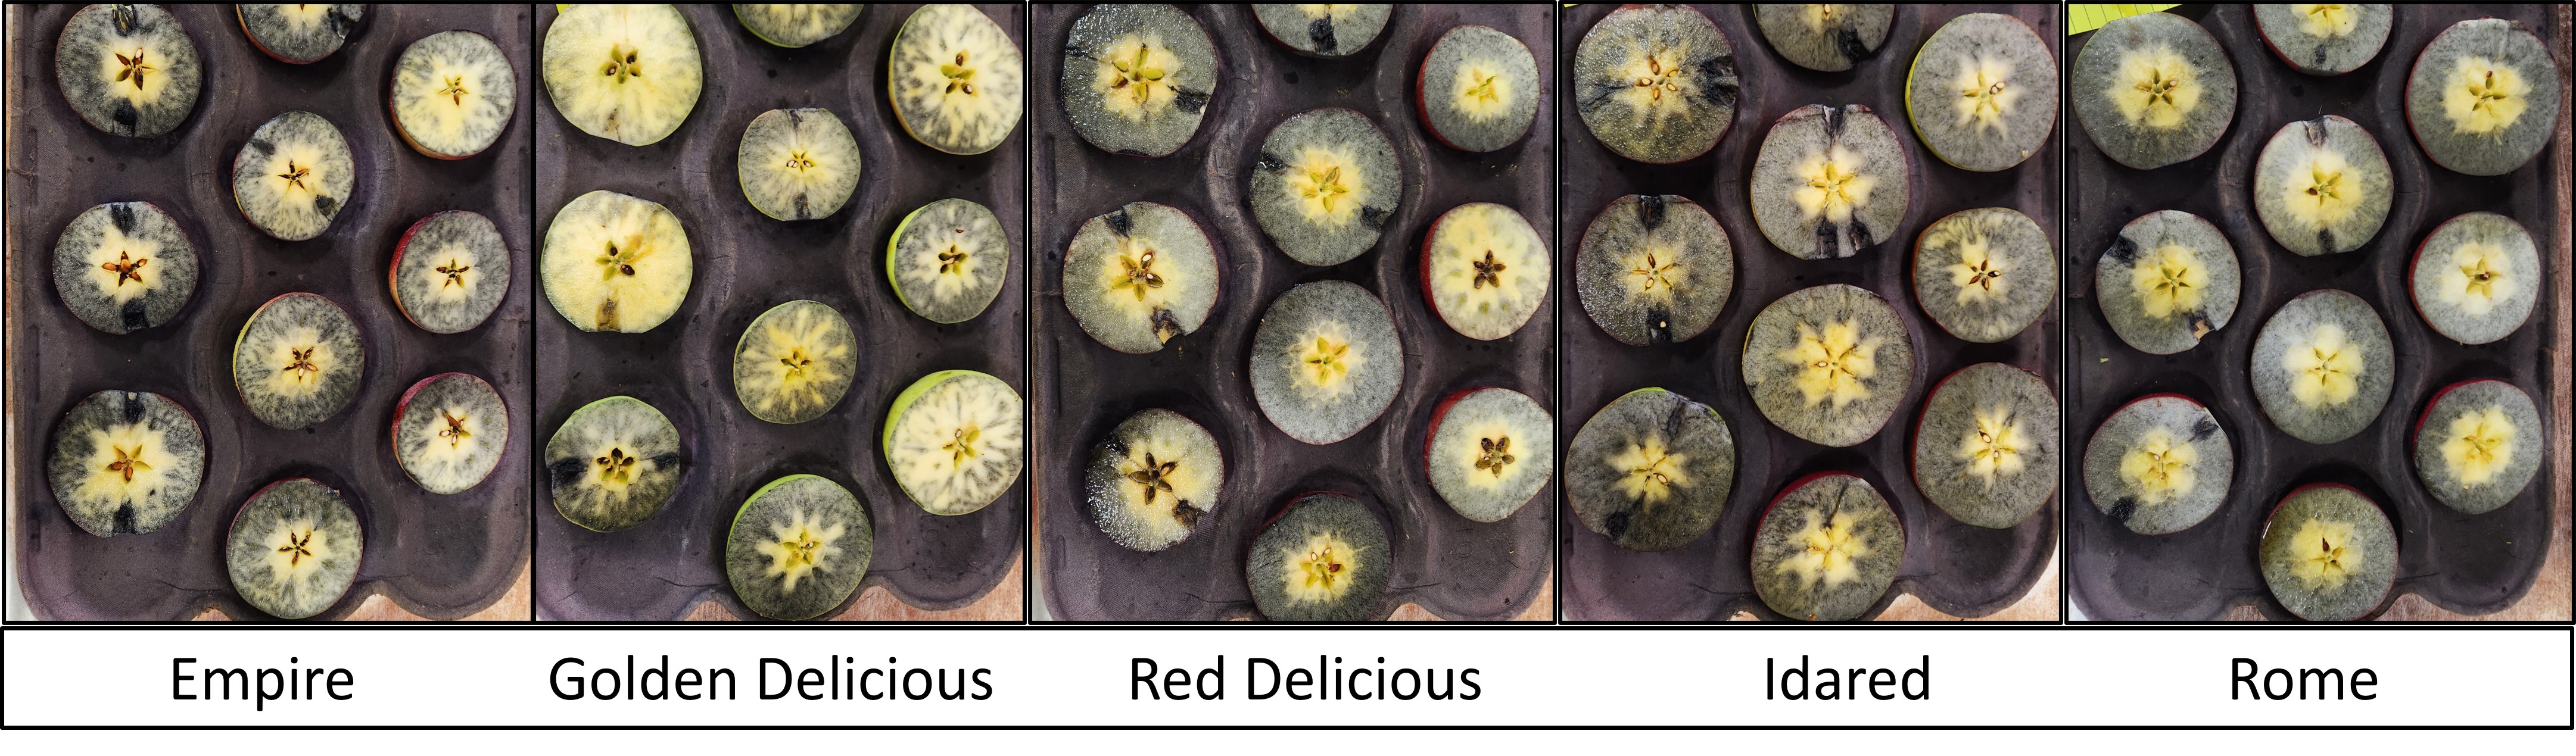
x: 2085, y: 18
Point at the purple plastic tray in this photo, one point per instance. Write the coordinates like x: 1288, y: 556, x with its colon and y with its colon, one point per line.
x: 746, y: 264
x: 2472, y: 564
x: 436, y: 556
x: 1953, y: 567
x: 1454, y: 567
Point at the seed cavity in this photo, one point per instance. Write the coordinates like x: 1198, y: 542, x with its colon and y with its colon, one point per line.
x: 1993, y: 447
x: 127, y: 463
x: 2481, y: 445
x: 455, y: 432
x: 1656, y: 270
x: 126, y: 267
x: 295, y: 174
x: 1488, y: 271
x: 455, y: 90
x: 2156, y: 87
x: 133, y: 69
x: 1154, y: 477
x: 1833, y: 364
x: 2170, y: 280
x: 616, y: 466
x: 2159, y: 466
x: 1832, y: 549
x: 300, y: 364
x: 454, y: 270
x: 2324, y: 366
x: 961, y: 445
x: 1497, y: 455
x: 621, y: 64
x: 2484, y: 96
x: 1984, y: 96
x: 1140, y: 275
x: 1834, y: 185
x: 299, y: 547
x: 1649, y: 470
x: 2325, y: 555
x: 960, y: 78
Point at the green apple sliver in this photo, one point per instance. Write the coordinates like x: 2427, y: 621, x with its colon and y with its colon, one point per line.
x: 795, y: 25
x: 450, y: 271
x: 128, y: 70
x: 799, y: 164
x: 1485, y: 270
x: 293, y: 176
x: 299, y: 33
x: 626, y: 73
x: 124, y: 266
x: 798, y: 547
x: 298, y: 360
x: 954, y: 79
x: 953, y: 441
x: 294, y: 549
x: 616, y: 263
x: 453, y: 94
x: 125, y: 462
x: 794, y: 362
x: 613, y: 464
x: 449, y: 432
x: 948, y: 259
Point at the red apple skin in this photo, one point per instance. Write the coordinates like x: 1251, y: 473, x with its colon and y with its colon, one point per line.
x: 392, y: 285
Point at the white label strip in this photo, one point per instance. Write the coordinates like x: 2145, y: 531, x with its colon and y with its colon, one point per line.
x: 1078, y: 676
